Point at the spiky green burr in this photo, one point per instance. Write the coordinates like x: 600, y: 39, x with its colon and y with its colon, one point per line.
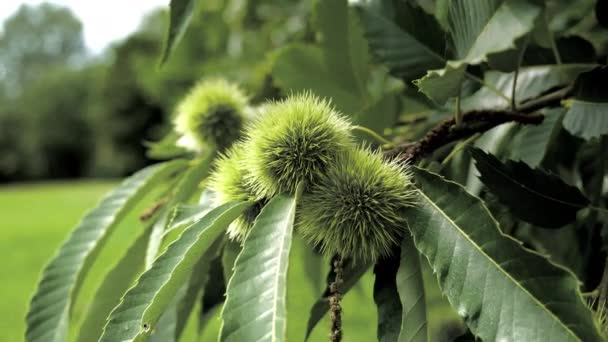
x: 356, y: 210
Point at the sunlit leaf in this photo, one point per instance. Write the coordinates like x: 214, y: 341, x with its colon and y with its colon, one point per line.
x: 49, y: 311
x: 141, y: 307
x: 260, y: 277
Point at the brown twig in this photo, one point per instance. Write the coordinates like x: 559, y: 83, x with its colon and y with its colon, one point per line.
x: 149, y: 212
x: 335, y: 310
x: 447, y: 131
x: 476, y: 122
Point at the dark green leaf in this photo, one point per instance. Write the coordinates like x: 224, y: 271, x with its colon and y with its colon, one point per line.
x: 414, y: 327
x: 180, y: 13
x: 136, y: 316
x: 404, y: 37
x: 260, y: 277
x: 387, y: 300
x: 532, y: 195
x: 501, y: 290
x: 344, y: 48
x: 601, y: 12
x: 214, y: 292
x: 586, y: 117
x: 49, y: 311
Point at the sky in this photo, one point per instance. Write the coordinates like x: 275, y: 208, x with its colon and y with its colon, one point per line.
x: 103, y: 21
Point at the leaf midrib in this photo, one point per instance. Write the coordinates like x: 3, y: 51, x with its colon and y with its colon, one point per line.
x: 504, y: 272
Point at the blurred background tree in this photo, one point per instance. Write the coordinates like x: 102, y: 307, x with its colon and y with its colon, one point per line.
x: 66, y: 113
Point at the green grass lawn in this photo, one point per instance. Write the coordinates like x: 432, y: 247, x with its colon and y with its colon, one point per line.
x: 36, y: 218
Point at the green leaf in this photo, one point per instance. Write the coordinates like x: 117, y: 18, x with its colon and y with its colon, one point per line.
x: 387, y: 300
x: 184, y: 215
x: 49, y: 311
x: 136, y: 315
x: 414, y: 327
x: 404, y: 37
x: 443, y: 84
x: 344, y: 48
x: 214, y: 292
x: 532, y: 82
x: 180, y: 13
x: 260, y: 277
x: 198, y: 280
x: 352, y: 273
x: 114, y: 285
x: 531, y: 142
x: 297, y: 68
x: 586, y: 117
x: 166, y: 148
x: 186, y: 188
x: 474, y: 26
x: 482, y: 27
x: 501, y: 290
x: 532, y: 195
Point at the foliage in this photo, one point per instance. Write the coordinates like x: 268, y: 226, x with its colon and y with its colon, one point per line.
x: 537, y: 145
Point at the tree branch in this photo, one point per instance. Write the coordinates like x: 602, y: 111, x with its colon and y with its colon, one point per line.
x: 447, y: 131
x: 477, y: 122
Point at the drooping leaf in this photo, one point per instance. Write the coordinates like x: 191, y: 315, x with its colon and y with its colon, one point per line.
x: 586, y: 117
x: 136, y: 315
x: 49, y: 311
x: 260, y: 277
x: 199, y: 278
x: 414, y: 327
x: 531, y: 142
x: 186, y: 188
x: 352, y: 273
x: 531, y: 82
x: 387, y: 300
x: 180, y: 13
x: 402, y: 36
x: 533, y: 195
x: 114, y: 285
x: 501, y: 290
